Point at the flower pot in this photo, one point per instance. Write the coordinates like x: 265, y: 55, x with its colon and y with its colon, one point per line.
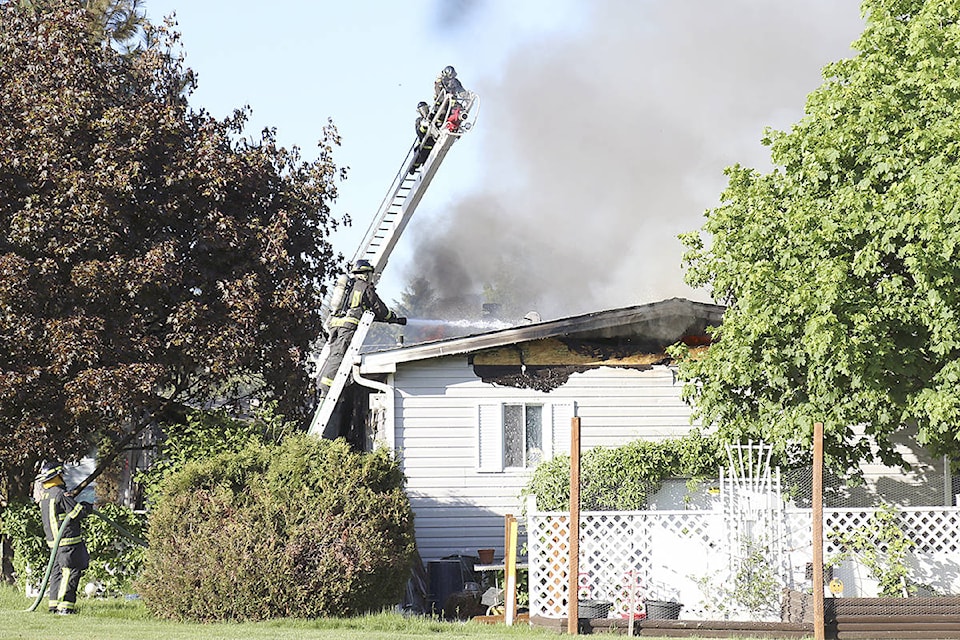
x: 485, y: 555
x: 663, y: 610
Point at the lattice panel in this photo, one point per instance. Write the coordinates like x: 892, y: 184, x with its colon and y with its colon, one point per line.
x: 623, y: 556
x: 934, y: 531
x: 613, y: 547
x: 662, y: 554
x: 549, y: 558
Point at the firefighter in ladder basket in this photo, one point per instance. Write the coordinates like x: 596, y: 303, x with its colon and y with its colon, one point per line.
x: 360, y: 297
x: 448, y: 92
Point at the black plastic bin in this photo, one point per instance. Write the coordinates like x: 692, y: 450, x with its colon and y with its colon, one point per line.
x: 445, y: 577
x: 593, y: 609
x: 663, y: 610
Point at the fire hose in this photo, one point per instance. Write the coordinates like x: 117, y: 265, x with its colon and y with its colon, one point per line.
x: 56, y: 547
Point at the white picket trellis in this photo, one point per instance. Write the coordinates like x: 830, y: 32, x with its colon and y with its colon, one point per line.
x: 752, y: 504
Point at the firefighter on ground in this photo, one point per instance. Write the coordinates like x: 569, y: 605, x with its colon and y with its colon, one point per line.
x: 361, y: 297
x: 71, y: 557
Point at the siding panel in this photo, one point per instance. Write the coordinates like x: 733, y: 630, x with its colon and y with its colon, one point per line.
x: 458, y: 509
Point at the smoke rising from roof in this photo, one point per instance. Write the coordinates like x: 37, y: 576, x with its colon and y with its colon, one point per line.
x: 601, y: 147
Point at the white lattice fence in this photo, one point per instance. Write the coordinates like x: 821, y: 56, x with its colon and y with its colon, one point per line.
x: 624, y: 557
x: 934, y: 561
x: 669, y: 554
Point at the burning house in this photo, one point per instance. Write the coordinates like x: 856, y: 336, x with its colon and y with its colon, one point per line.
x: 472, y: 416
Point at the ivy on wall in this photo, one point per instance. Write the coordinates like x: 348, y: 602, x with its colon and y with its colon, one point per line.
x: 624, y: 478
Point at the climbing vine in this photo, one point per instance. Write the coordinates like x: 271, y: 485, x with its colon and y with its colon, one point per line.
x: 881, y: 546
x: 625, y: 477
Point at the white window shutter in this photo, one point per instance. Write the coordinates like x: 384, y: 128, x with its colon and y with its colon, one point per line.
x: 490, y: 438
x: 561, y: 414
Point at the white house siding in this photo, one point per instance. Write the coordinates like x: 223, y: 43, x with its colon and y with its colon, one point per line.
x: 460, y: 509
x: 621, y: 405
x: 921, y: 485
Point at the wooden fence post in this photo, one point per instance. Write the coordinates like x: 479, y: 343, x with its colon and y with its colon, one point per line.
x: 510, y: 570
x: 573, y: 605
x: 818, y: 622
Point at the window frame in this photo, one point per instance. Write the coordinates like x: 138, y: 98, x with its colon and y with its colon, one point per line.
x: 490, y: 435
x: 524, y: 429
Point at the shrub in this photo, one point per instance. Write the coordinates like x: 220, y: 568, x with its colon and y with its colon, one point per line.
x: 114, y: 559
x: 306, y: 528
x: 625, y: 477
x: 21, y: 522
x: 206, y: 432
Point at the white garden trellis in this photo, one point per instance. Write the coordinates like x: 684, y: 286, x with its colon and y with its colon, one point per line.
x: 752, y: 504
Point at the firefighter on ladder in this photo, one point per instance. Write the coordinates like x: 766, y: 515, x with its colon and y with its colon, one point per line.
x: 71, y: 558
x: 361, y: 297
x: 425, y: 140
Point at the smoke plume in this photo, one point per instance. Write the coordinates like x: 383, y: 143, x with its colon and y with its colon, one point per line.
x: 601, y: 147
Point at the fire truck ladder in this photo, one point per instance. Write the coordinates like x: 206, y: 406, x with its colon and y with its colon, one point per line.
x: 381, y: 237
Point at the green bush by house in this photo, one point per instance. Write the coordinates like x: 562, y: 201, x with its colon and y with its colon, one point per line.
x: 624, y: 478
x: 305, y: 528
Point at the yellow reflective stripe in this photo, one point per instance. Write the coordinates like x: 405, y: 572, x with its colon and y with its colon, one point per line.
x: 76, y: 510
x: 326, y: 382
x: 64, y: 579
x: 339, y: 322
x: 52, y: 516
x: 65, y: 542
x: 355, y: 299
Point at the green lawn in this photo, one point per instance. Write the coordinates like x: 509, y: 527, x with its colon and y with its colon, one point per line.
x: 126, y: 620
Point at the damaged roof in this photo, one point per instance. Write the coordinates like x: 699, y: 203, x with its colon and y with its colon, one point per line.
x: 649, y: 327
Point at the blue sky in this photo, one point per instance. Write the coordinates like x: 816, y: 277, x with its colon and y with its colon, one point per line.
x: 603, y: 131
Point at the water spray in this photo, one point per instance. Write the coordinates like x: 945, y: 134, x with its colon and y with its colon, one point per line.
x: 490, y: 325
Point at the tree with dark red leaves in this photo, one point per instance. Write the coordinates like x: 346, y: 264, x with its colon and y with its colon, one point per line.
x: 151, y: 257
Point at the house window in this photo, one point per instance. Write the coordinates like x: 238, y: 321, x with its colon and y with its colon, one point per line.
x: 515, y: 435
x: 522, y: 435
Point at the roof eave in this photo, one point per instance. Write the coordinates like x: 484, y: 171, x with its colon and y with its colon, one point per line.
x: 386, y: 361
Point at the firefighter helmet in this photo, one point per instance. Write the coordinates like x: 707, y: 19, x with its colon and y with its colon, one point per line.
x: 449, y: 72
x: 49, y: 470
x: 422, y: 105
x: 363, y: 266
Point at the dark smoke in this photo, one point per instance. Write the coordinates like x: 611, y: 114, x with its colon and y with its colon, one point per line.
x: 601, y: 148
x: 452, y: 14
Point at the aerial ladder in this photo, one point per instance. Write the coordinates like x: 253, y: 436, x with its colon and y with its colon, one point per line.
x: 454, y: 116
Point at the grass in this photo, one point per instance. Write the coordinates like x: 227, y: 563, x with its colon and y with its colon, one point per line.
x: 117, y: 619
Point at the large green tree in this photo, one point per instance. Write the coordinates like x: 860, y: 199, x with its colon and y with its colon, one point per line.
x: 841, y: 266
x: 150, y: 255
